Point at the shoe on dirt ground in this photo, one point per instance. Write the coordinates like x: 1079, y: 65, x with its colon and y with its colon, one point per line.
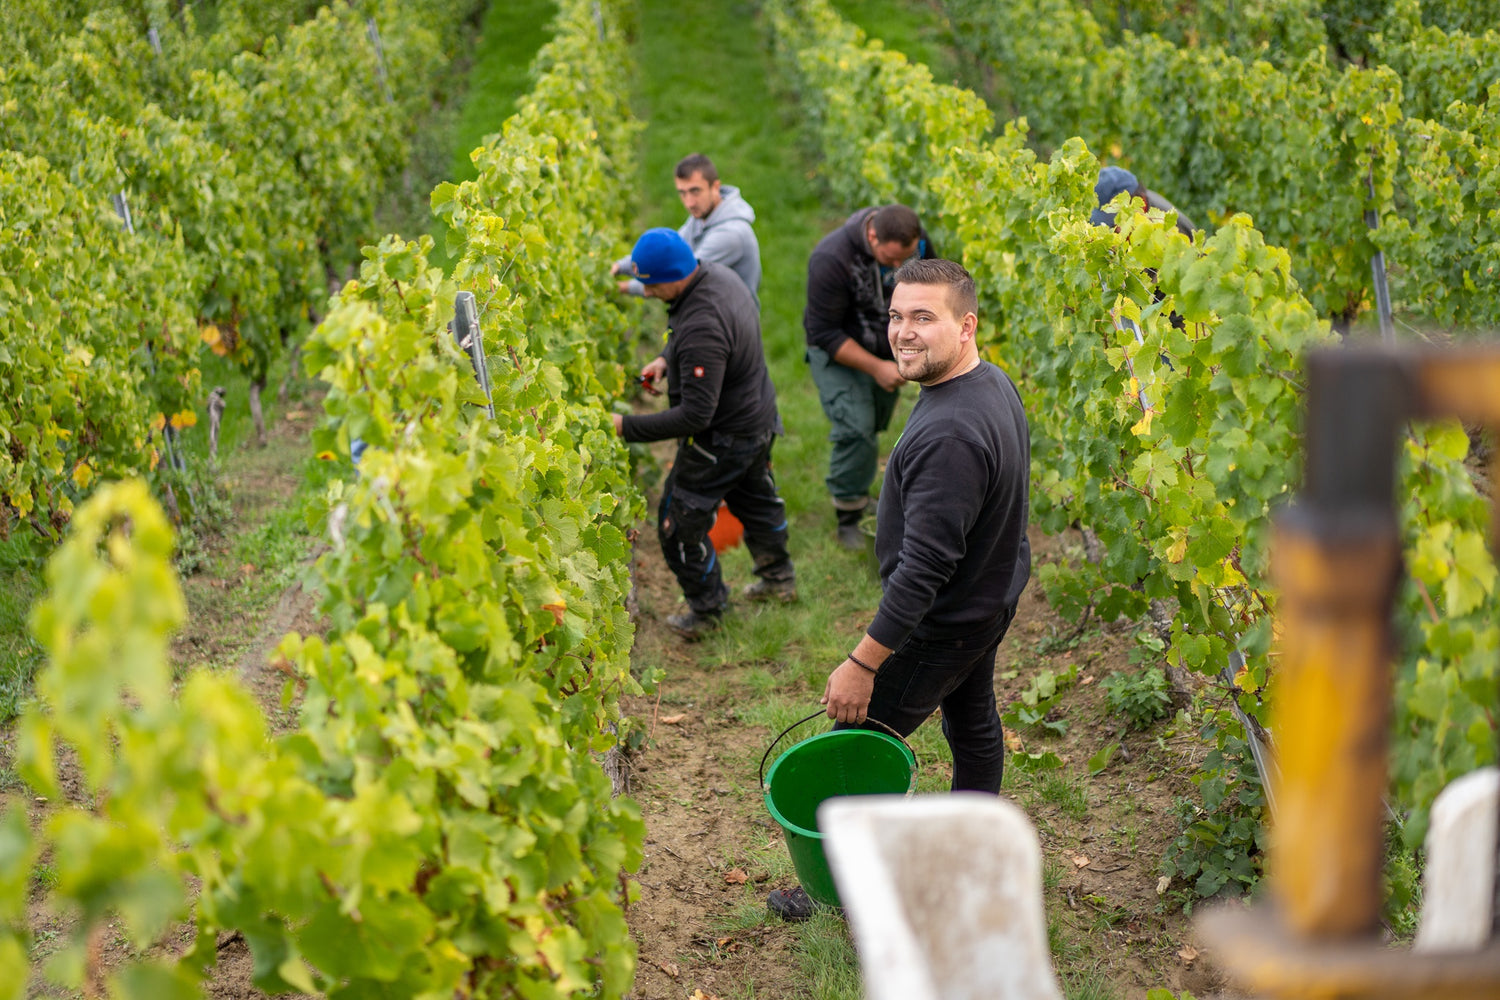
x: 791, y: 904
x: 784, y: 591
x: 852, y: 537
x: 693, y: 625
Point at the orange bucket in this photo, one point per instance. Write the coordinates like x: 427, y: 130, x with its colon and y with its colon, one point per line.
x: 727, y: 530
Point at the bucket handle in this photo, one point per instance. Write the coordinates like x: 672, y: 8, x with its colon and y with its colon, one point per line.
x: 767, y: 755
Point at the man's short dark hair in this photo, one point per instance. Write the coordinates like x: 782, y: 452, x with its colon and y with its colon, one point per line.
x: 696, y: 163
x: 896, y: 223
x: 960, y: 284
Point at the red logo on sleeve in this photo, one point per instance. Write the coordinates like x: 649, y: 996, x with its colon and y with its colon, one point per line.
x: 698, y: 371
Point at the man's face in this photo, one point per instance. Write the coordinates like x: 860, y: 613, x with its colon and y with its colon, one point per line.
x: 890, y: 253
x: 699, y: 196
x: 930, y: 343
x: 667, y: 291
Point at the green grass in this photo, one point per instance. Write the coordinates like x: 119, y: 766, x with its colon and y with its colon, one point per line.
x: 1088, y: 984
x: 1064, y: 791
x: 20, y: 656
x: 917, y: 29
x: 44, y: 876
x: 828, y: 957
x: 509, y: 36
x: 489, y: 69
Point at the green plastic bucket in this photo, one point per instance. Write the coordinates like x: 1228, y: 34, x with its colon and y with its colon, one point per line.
x: 843, y: 762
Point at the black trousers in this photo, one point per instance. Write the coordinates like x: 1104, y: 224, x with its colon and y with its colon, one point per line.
x: 956, y: 674
x: 737, y: 472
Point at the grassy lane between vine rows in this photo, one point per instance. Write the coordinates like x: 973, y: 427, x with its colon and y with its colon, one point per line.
x: 498, y: 59
x: 713, y: 852
x: 919, y: 31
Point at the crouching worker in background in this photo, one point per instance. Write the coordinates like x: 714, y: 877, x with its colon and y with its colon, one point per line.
x: 1114, y: 181
x: 723, y: 414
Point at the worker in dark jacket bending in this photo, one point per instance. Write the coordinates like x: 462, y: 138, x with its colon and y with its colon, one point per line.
x: 723, y: 413
x: 849, y: 279
x: 950, y: 534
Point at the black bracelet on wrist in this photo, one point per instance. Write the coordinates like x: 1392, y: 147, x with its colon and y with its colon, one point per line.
x: 861, y: 663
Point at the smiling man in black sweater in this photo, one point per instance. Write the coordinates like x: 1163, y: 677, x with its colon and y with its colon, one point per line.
x: 951, y: 538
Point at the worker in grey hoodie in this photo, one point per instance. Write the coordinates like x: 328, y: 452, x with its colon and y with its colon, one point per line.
x: 718, y: 227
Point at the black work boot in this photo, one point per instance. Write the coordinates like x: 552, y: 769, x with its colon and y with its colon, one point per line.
x: 784, y: 591
x: 694, y: 625
x: 791, y: 904
x: 851, y: 536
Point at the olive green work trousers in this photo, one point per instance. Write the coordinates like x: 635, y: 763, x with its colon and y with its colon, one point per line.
x: 857, y: 410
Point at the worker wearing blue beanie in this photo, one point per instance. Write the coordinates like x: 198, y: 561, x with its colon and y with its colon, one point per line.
x: 722, y: 412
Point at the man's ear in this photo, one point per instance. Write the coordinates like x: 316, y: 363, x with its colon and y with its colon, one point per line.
x: 968, y: 327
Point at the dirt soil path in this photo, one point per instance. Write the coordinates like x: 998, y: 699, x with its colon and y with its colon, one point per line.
x: 713, y: 851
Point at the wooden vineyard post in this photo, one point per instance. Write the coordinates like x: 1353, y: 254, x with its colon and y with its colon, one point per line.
x: 1336, y: 559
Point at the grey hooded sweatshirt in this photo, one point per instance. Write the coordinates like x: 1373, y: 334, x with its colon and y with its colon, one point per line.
x: 725, y: 237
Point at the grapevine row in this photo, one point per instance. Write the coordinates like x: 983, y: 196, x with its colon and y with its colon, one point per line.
x: 438, y: 824
x: 246, y: 174
x: 1307, y: 148
x: 1286, y: 31
x: 1175, y: 445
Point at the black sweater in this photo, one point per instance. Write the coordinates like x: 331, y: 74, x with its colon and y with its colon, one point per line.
x: 716, y: 370
x: 951, y: 526
x: 847, y: 294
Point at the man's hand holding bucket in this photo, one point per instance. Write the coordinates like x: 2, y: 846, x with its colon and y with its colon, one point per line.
x: 849, y: 687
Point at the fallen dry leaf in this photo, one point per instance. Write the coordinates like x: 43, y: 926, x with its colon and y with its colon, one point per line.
x: 1012, y: 742
x: 1086, y: 679
x: 672, y: 720
x: 670, y: 968
x: 1162, y: 883
x: 1081, y: 861
x: 736, y: 876
x: 1188, y: 954
x: 700, y: 995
